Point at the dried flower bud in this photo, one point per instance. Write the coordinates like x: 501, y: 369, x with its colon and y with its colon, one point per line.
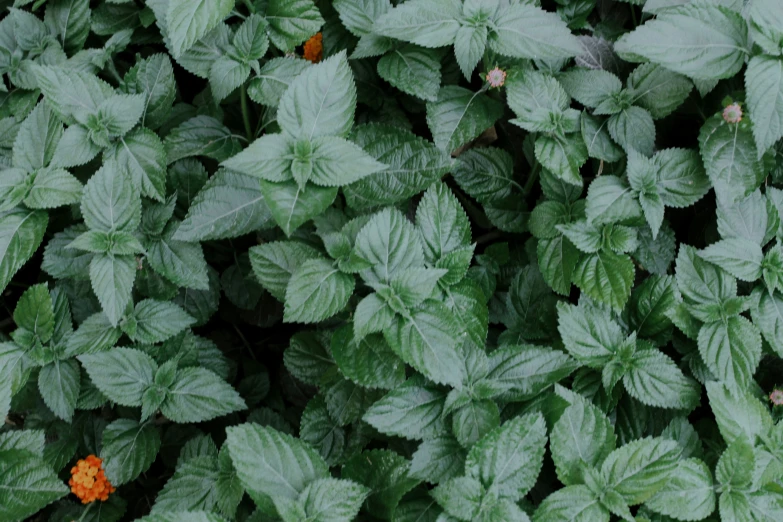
x: 733, y: 113
x: 496, y: 77
x: 314, y: 48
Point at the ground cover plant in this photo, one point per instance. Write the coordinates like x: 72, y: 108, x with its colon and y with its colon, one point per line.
x: 420, y: 261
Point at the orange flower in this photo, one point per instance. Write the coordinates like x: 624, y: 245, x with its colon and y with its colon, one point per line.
x: 314, y: 48
x: 88, y: 482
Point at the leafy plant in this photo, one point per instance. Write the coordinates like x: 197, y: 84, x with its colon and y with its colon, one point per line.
x: 420, y: 260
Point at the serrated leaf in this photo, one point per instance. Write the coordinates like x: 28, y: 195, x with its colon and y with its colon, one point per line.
x: 459, y: 115
x: 606, y: 277
x: 525, y: 371
x: 274, y: 78
x: 730, y: 158
x: 197, y: 395
x: 438, y: 459
x: 70, y: 20
x: 292, y: 22
x: 507, y: 461
x: 272, y: 464
x: 413, y: 410
x: 143, y: 156
x: 291, y: 205
x: 386, y: 474
x: 21, y: 232
x: 129, y: 449
x: 731, y: 349
x: 581, y: 439
x: 112, y: 280
x: 201, y: 136
x: 413, y: 70
x: 181, y: 263
x: 59, y: 384
x: 316, y: 291
x: 654, y: 379
x: 703, y: 41
x: 28, y: 484
x: 640, y: 468
x: 122, y: 374
x: 37, y: 139
x: 187, y: 21
x: 429, y: 24
x: 526, y: 31
x: 576, y: 503
x: 427, y: 340
x: 157, y: 321
x: 229, y: 205
x: 741, y: 258
x: 368, y: 362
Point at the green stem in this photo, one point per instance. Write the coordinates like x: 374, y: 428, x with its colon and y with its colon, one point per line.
x: 246, y: 114
x: 531, y: 180
x: 633, y: 16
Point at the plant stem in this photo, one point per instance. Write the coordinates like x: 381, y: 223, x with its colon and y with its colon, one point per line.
x: 246, y: 114
x: 531, y: 180
x: 633, y: 17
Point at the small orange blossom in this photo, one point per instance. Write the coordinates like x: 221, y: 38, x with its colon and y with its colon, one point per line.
x: 88, y: 482
x: 314, y: 48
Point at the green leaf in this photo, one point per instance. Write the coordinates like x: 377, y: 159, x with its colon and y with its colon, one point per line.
x: 188, y: 22
x: 122, y: 374
x: 37, y: 139
x: 700, y: 282
x: 474, y: 420
x: 580, y: 440
x: 225, y: 75
x: 763, y: 80
x: 320, y: 430
x: 386, y: 474
x: 21, y: 232
x: 413, y: 70
x: 633, y: 128
x: 413, y: 410
x: 332, y: 500
x: 732, y: 350
x: 274, y: 78
x: 730, y: 158
x: 735, y: 467
x: 154, y: 77
x: 368, y: 362
x: 658, y: 89
x: 269, y: 157
x: 689, y: 494
x: 702, y: 40
x: 95, y: 334
x: 426, y: 340
x: 461, y: 497
x: 337, y: 162
x: 438, y: 459
x: 59, y: 383
x: 390, y: 243
x: 507, y: 461
x: 181, y: 263
x: 563, y: 156
x: 442, y: 223
x: 738, y: 415
x: 588, y: 334
x: 557, y: 258
x: 739, y: 257
x: 610, y: 200
x: 272, y: 464
x: 426, y: 23
x: 597, y: 139
x: 34, y: 312
x: 359, y: 17
x: 573, y: 503
x: 251, y: 40
x: 184, y: 516
x: 459, y: 115
x: 292, y: 22
x: 321, y: 101
x: 143, y: 156
x: 469, y: 44
x: 129, y: 449
x: 291, y: 206
x: 27, y: 484
x: 316, y: 291
x: 769, y: 318
x: 654, y: 379
x: 274, y: 263
x: 765, y: 16
x: 590, y: 87
x: 413, y: 164
x: 229, y: 205
x: 201, y: 136
x: 606, y: 277
x: 157, y: 321
x: 53, y: 188
x: 70, y: 21
x: 486, y: 174
x: 526, y: 31
x: 110, y: 202
x: 76, y: 148
x: 641, y: 468
x: 69, y: 92
x: 112, y: 281
x: 198, y: 395
x: 681, y: 179
x: 525, y: 371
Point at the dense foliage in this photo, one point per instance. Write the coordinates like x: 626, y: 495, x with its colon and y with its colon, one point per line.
x: 432, y: 260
